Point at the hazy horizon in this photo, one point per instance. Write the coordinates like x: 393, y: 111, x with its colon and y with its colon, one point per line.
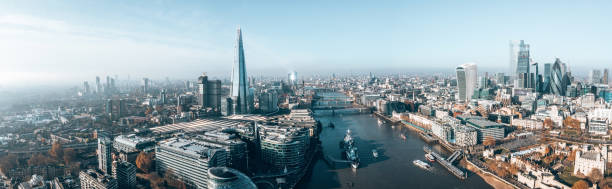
x: 68, y: 42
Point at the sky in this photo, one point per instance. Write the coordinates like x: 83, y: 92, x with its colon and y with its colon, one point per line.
x: 68, y: 42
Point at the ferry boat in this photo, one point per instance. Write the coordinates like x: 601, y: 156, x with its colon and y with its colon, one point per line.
x: 430, y: 157
x: 421, y: 164
x: 375, y: 153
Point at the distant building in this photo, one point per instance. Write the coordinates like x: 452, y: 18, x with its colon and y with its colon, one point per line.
x: 92, y: 179
x: 104, y: 154
x: 189, y: 160
x: 125, y: 174
x: 226, y: 178
x: 209, y: 93
x: 558, y: 78
x: 292, y: 78
x: 523, y: 61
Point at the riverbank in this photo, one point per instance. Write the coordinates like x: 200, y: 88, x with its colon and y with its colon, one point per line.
x: 489, y: 179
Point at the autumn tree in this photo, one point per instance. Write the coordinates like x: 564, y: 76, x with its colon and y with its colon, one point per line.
x: 69, y: 155
x: 489, y: 141
x: 56, y: 151
x: 548, y: 123
x: 8, y: 162
x: 571, y: 123
x: 581, y: 184
x: 572, y: 155
x: 595, y: 175
x: 144, y: 161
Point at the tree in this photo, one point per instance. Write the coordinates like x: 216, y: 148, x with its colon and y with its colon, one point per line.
x: 548, y: 123
x: 69, y: 155
x: 56, y: 151
x: 144, y: 161
x: 581, y: 184
x: 8, y: 162
x: 571, y: 123
x: 489, y: 141
x: 595, y: 175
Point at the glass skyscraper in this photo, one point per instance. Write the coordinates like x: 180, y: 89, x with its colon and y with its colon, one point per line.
x: 558, y: 78
x: 467, y: 75
x: 239, y: 79
x: 523, y: 59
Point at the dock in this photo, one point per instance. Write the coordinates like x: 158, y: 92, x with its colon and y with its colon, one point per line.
x: 427, y: 137
x: 448, y: 163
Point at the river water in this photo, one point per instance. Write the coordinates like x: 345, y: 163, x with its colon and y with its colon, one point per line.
x: 392, y: 169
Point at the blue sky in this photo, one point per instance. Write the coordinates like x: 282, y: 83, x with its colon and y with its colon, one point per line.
x: 72, y: 41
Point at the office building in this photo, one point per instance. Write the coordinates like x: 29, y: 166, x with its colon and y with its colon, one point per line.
x: 145, y: 85
x: 98, y: 85
x: 465, y: 136
x: 236, y: 149
x: 189, y: 160
x: 485, y: 128
x: 595, y: 76
x: 125, y: 174
x: 268, y: 101
x: 226, y: 178
x: 105, y: 158
x: 546, y: 77
x: 133, y: 143
x: 466, y: 81
x: 209, y: 93
x: 92, y: 179
x: 558, y: 78
x: 604, y: 79
x: 283, y: 146
x: 239, y: 90
x: 514, y: 51
x: 292, y: 78
x: 598, y: 126
x: 523, y: 61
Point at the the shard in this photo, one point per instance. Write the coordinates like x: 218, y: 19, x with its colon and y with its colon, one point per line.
x: 239, y: 88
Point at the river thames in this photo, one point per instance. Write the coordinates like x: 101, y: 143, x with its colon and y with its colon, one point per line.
x: 392, y: 169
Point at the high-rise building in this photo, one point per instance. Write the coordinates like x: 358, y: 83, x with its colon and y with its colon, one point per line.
x: 604, y: 79
x: 162, y: 96
x: 209, y: 93
x: 86, y: 87
x: 224, y: 177
x: 523, y: 60
x: 92, y: 179
x: 466, y: 81
x: 595, y: 76
x: 235, y: 148
x: 514, y: 50
x: 546, y: 77
x: 292, y: 78
x: 189, y: 160
x: 104, y: 154
x: 558, y: 78
x: 239, y: 89
x: 98, y: 85
x: 125, y: 174
x: 145, y: 85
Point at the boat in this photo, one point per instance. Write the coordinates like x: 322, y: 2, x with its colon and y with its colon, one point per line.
x: 421, y: 164
x: 353, y: 156
x: 430, y: 158
x: 403, y: 136
x: 348, y: 140
x: 331, y: 125
x: 375, y: 153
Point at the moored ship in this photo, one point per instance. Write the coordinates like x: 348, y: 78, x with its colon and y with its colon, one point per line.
x: 430, y: 158
x: 421, y: 164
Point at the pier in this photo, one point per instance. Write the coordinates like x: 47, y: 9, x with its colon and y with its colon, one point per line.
x: 448, y: 164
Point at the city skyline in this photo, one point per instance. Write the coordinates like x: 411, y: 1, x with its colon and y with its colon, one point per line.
x: 161, y: 39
